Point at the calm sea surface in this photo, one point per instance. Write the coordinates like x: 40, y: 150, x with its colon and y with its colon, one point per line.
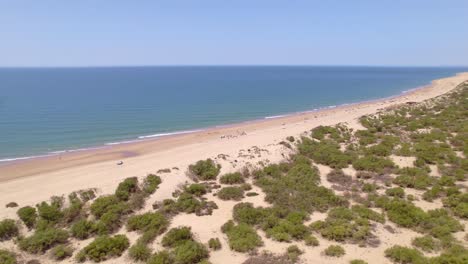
x: 50, y: 110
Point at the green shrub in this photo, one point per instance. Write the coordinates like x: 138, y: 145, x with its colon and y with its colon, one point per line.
x: 148, y: 221
x: 290, y: 139
x: 246, y: 186
x: 399, y: 254
x: 334, y: 251
x: 251, y: 194
x: 366, y: 137
x: 413, y: 178
x: 310, y: 240
x: 373, y: 163
x: 339, y: 177
x: 7, y: 257
x: 104, y: 204
x: 426, y: 243
x: 139, y: 252
x: 189, y: 252
x: 395, y: 192
x: 83, y: 229
x: 357, y: 261
x: 161, y: 257
x: 28, y: 215
x: 50, y: 212
x: 126, y: 188
x: 205, y: 170
x: 247, y: 213
x: 404, y: 213
x: 196, y: 189
x: 8, y: 229
x: 176, y: 236
x: 232, y: 178
x: 325, y: 152
x: 42, y: 240
x: 242, y: 237
x: 104, y: 247
x: 61, y: 252
x: 214, y: 244
x: 151, y: 183
x: 293, y: 252
x: 231, y: 193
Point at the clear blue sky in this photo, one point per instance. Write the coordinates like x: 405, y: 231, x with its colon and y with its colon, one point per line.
x: 238, y: 32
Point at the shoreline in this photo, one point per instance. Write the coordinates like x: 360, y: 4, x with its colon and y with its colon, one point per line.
x: 21, y: 168
x: 162, y: 135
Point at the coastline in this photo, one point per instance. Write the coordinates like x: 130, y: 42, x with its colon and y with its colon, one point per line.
x: 14, y: 168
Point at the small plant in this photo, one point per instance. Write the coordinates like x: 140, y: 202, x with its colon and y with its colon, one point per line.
x: 231, y: 193
x: 290, y: 139
x: 196, y: 189
x: 7, y: 257
x: 395, y: 192
x: 103, y: 248
x: 176, y: 236
x: 205, y: 170
x: 42, y: 240
x: 151, y: 183
x: 139, y: 252
x: 8, y: 229
x: 251, y: 194
x: 426, y: 243
x: 61, y: 252
x: 399, y: 254
x: 161, y: 257
x: 189, y: 252
x: 11, y: 205
x: 310, y: 240
x: 293, y: 252
x: 242, y: 237
x: 232, y: 178
x: 214, y: 244
x: 148, y: 221
x: 357, y: 261
x: 82, y: 229
x: 28, y: 215
x: 334, y: 251
x: 126, y: 188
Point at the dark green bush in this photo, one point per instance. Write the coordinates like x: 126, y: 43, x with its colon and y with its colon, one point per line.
x: 104, y: 204
x: 290, y: 139
x: 373, y: 163
x: 61, y: 252
x: 231, y: 193
x: 399, y: 254
x: 310, y: 240
x: 151, y: 183
x: 189, y: 252
x: 161, y: 257
x: 104, y: 247
x: 42, y: 240
x: 325, y: 152
x: 7, y: 257
x: 366, y: 137
x: 214, y: 244
x: 339, y: 177
x: 8, y: 229
x: 293, y: 252
x: 232, y: 178
x: 426, y: 243
x: 357, y: 261
x: 334, y: 251
x: 196, y: 189
x: 413, y: 178
x: 251, y: 194
x: 83, y: 229
x: 139, y: 252
x: 205, y: 170
x: 247, y: 213
x: 176, y: 236
x: 126, y: 188
x: 395, y: 192
x: 50, y: 212
x: 148, y: 221
x: 242, y: 237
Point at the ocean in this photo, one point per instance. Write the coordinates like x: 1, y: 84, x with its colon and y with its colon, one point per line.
x: 49, y: 110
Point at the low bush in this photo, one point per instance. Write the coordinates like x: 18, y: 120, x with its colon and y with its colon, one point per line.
x: 310, y: 240
x: 189, y: 252
x: 50, y: 212
x: 103, y: 248
x: 290, y: 139
x: 426, y: 243
x: 395, y: 192
x: 214, y: 244
x: 176, y: 236
x: 325, y: 152
x: 126, y: 188
x: 246, y: 186
x: 251, y: 194
x: 242, y: 237
x: 148, y: 221
x: 205, y: 170
x: 357, y: 261
x: 399, y: 254
x: 151, y: 183
x: 8, y: 229
x: 196, y: 189
x: 61, y: 252
x: 373, y: 164
x: 7, y: 257
x: 139, y: 252
x: 413, y: 178
x: 42, y: 240
x: 293, y: 252
x: 334, y: 251
x: 231, y: 193
x: 161, y: 257
x: 83, y: 229
x: 339, y: 177
x: 11, y: 205
x: 104, y: 204
x: 232, y: 178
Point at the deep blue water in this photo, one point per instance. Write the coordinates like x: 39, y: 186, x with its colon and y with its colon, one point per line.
x: 53, y: 109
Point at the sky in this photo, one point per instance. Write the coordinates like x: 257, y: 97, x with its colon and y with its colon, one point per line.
x: 55, y: 33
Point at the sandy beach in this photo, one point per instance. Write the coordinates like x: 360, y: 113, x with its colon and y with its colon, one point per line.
x: 27, y: 182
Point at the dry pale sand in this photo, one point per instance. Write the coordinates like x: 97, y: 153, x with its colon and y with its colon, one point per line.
x: 31, y: 181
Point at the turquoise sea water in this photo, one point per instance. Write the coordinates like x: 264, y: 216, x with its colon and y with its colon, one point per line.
x: 54, y: 109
